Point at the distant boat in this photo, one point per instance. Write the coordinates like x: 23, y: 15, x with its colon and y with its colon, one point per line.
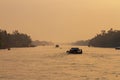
x: 9, y: 48
x: 74, y: 51
x: 117, y: 48
x: 57, y: 46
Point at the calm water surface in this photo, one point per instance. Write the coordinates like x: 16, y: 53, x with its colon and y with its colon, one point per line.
x: 50, y: 63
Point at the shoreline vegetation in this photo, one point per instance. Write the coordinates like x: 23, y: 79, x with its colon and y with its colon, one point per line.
x: 14, y: 39
x: 17, y: 39
x: 106, y: 39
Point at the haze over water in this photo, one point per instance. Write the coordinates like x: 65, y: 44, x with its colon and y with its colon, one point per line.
x: 59, y: 20
x: 50, y: 63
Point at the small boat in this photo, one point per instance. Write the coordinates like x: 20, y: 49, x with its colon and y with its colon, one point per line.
x: 8, y: 48
x: 57, y: 46
x: 117, y: 48
x: 74, y: 51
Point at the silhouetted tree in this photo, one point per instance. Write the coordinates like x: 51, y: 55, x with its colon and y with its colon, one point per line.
x: 15, y: 39
x: 111, y: 38
x: 3, y: 38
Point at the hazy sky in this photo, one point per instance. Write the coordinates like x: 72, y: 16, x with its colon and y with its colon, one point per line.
x: 59, y: 20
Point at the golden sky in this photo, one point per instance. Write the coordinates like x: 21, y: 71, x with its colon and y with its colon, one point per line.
x: 59, y: 20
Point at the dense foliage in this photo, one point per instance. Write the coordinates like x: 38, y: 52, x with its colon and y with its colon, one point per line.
x: 110, y: 38
x: 15, y: 39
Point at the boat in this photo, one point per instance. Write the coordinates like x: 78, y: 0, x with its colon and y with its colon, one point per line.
x: 74, y: 51
x: 117, y: 48
x: 57, y: 46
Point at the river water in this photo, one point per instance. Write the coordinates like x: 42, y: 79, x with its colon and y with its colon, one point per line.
x: 50, y: 63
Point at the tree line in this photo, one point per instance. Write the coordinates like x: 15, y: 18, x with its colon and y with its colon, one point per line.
x: 15, y: 39
x: 110, y: 38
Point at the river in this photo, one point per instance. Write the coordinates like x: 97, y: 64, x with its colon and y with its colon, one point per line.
x: 50, y: 63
